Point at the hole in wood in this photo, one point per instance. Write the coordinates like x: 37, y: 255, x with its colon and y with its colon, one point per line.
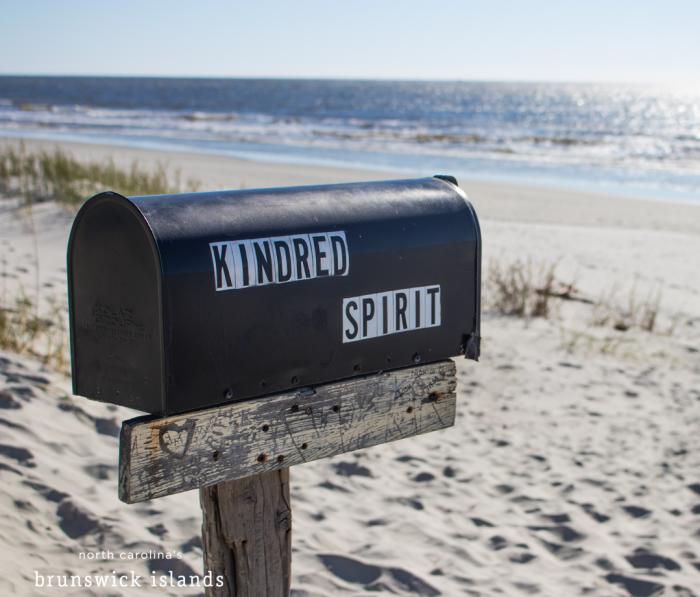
x: 304, y: 446
x: 409, y: 410
x: 295, y: 380
x: 262, y: 458
x: 336, y: 408
x: 266, y: 427
x: 308, y: 410
x: 280, y: 458
x: 295, y: 408
x: 215, y: 456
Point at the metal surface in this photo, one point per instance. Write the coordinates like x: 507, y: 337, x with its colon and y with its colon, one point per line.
x: 167, y: 317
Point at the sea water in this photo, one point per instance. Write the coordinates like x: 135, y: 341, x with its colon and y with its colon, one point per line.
x: 635, y: 140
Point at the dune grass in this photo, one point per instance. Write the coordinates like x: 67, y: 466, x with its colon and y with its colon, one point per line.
x: 521, y: 288
x: 524, y: 288
x: 41, y: 333
x: 30, y: 323
x: 58, y: 176
x: 635, y: 311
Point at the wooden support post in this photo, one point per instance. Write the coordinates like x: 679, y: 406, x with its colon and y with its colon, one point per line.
x: 238, y: 456
x: 246, y: 533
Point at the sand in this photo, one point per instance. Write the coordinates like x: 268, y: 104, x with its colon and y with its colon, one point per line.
x: 573, y: 467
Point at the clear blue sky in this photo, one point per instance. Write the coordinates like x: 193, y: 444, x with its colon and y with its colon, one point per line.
x: 642, y: 40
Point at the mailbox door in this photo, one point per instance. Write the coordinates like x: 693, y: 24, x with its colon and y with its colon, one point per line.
x: 115, y: 306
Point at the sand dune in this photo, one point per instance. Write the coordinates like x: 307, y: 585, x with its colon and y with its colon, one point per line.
x: 573, y: 467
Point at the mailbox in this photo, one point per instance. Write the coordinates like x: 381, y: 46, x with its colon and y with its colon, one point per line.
x: 181, y: 302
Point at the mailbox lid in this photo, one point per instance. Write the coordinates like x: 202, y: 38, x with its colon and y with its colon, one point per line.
x: 115, y: 306
x: 240, y: 342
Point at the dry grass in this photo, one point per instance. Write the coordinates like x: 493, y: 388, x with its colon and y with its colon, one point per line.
x: 58, y: 176
x: 635, y: 311
x: 577, y: 340
x: 25, y: 328
x: 523, y: 288
x: 32, y: 324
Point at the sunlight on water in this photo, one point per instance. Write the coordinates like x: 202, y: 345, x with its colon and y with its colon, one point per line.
x: 628, y: 138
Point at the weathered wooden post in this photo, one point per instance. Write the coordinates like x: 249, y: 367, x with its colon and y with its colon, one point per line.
x: 247, y: 534
x: 243, y: 385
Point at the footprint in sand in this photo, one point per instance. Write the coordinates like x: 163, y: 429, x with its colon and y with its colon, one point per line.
x: 49, y: 493
x: 594, y: 514
x: 449, y: 472
x: 424, y: 477
x: 641, y: 558
x: 74, y: 521
x: 8, y: 401
x: 20, y: 455
x: 192, y: 544
x: 107, y: 427
x: 177, y: 567
x: 637, y: 511
x: 498, y: 543
x: 635, y: 586
x: 352, y: 469
x: 376, y: 578
x: 99, y: 471
x: 158, y: 530
x: 25, y: 393
x: 480, y: 522
x: 523, y: 557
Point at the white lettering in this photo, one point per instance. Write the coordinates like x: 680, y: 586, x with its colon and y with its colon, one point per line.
x: 375, y: 315
x: 279, y: 259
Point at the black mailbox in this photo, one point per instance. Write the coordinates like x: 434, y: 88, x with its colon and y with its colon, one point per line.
x: 180, y: 302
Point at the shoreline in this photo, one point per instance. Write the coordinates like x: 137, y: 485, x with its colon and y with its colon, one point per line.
x: 551, y: 181
x: 494, y: 200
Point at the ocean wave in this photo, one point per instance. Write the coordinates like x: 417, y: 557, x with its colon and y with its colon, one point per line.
x: 208, y: 117
x: 538, y: 126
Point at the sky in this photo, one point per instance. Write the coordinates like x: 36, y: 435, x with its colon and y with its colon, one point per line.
x: 558, y: 40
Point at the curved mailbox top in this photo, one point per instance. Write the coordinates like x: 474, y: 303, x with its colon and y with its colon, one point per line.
x: 180, y: 302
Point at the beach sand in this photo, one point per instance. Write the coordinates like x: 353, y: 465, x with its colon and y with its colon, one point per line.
x: 573, y: 467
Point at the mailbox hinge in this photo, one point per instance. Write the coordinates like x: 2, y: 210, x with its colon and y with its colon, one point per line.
x: 473, y: 347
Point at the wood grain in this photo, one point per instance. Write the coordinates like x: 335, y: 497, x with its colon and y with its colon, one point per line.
x: 246, y: 535
x: 162, y: 456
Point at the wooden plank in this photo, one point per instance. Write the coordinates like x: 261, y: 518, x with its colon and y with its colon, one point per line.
x: 246, y: 534
x: 159, y: 457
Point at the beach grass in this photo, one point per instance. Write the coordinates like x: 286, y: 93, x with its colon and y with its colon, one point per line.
x: 636, y: 310
x: 528, y: 289
x: 521, y: 288
x: 43, y: 175
x: 40, y: 332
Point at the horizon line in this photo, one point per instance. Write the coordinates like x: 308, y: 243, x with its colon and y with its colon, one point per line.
x: 345, y: 78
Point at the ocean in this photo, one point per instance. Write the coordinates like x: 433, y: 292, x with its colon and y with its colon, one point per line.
x: 633, y: 140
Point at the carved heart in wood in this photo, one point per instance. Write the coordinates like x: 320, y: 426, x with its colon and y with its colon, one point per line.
x: 175, y: 439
